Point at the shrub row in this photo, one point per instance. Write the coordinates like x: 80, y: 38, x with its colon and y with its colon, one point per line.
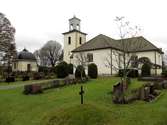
x: 63, y: 69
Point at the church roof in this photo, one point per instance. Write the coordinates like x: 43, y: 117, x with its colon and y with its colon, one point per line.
x: 74, y: 30
x: 135, y: 44
x: 26, y: 55
x: 74, y: 17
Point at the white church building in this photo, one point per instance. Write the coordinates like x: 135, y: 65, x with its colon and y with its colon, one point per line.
x: 107, y: 52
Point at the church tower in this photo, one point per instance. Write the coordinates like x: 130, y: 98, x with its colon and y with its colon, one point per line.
x: 73, y: 38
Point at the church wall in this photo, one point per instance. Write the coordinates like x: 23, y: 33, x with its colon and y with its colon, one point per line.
x: 99, y: 58
x: 102, y: 58
x: 75, y: 36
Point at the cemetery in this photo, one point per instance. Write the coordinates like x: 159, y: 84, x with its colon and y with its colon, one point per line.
x: 103, y: 81
x: 55, y: 106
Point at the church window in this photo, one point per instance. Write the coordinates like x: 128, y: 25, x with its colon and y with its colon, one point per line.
x: 90, y: 57
x: 80, y: 40
x: 69, y: 40
x: 134, y: 61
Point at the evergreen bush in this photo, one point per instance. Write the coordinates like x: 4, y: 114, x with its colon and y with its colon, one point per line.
x: 92, y: 70
x: 62, y: 70
x: 80, y: 72
x: 70, y: 68
x: 146, y: 70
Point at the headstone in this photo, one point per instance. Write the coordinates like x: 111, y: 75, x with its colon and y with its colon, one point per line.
x: 36, y: 89
x: 141, y: 93
x: 146, y: 92
x: 55, y: 83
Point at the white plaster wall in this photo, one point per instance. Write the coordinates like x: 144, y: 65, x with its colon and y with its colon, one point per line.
x: 99, y: 58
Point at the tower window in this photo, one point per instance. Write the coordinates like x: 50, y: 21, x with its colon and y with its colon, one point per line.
x: 69, y: 40
x: 80, y: 40
x: 71, y: 26
x: 78, y: 27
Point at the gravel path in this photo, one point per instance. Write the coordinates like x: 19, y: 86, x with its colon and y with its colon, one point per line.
x: 18, y: 85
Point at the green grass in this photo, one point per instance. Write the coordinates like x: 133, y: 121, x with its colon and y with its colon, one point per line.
x: 62, y: 107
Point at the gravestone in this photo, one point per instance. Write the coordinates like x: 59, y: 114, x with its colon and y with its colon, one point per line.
x: 36, y: 89
x: 118, y: 96
x: 146, y: 93
x: 81, y: 93
x: 55, y: 83
x: 141, y: 93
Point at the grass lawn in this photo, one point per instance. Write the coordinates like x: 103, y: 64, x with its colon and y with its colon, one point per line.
x: 62, y: 107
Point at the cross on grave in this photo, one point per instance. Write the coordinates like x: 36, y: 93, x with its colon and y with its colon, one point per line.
x: 81, y: 93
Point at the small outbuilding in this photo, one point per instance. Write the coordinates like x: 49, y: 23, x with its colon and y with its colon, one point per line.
x: 25, y: 61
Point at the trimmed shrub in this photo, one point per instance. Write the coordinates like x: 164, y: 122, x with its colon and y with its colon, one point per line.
x: 80, y: 72
x: 44, y: 69
x: 92, y: 70
x: 164, y: 73
x: 10, y: 79
x: 62, y: 70
x: 146, y: 70
x: 70, y: 68
x: 38, y: 75
x: 25, y: 78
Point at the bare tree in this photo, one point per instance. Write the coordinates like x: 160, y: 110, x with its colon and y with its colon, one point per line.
x: 123, y: 58
x: 50, y: 53
x: 7, y: 41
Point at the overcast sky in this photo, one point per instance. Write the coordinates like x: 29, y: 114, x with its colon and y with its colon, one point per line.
x: 37, y: 21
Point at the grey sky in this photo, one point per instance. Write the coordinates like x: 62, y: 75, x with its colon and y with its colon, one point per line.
x: 37, y: 21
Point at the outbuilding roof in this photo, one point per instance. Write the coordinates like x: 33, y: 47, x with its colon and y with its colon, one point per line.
x: 26, y: 55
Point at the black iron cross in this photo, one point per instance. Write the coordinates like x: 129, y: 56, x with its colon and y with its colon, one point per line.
x: 81, y: 93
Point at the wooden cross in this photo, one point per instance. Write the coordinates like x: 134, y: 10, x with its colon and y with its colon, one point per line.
x: 81, y: 93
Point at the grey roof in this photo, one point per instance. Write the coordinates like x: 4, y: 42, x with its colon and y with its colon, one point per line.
x: 135, y: 44
x: 74, y: 17
x: 26, y: 55
x: 74, y: 30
